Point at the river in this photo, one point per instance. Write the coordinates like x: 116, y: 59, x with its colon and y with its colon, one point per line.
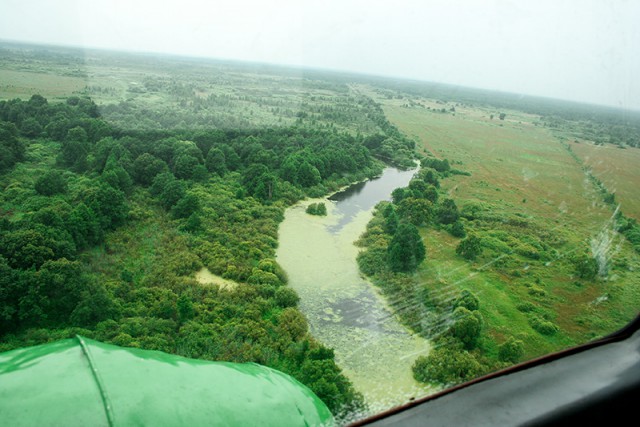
x: 345, y: 312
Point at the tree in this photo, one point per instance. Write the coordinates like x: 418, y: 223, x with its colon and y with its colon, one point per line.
x: 429, y: 175
x: 308, y: 175
x: 12, y: 150
x: 324, y: 378
x: 399, y: 194
x: 502, y: 116
x: 448, y: 212
x: 184, y: 166
x: 416, y: 211
x: 186, y: 206
x: 231, y: 158
x: 216, y: 161
x: 470, y: 247
x: 467, y: 325
x: 319, y: 209
x: 75, y: 148
x: 431, y: 194
x: 160, y: 182
x: 84, y: 226
x: 586, y: 267
x: 108, y: 203
x: 391, y: 220
x: 116, y: 176
x: 286, y: 297
x: 406, y: 250
x: 292, y: 323
x: 511, y: 350
x: 31, y: 128
x: 60, y: 284
x: 185, y: 308
x: 418, y: 186
x: 467, y: 300
x: 50, y: 183
x: 172, y: 192
x: 26, y: 248
x: 266, y: 186
x: 96, y: 305
x: 146, y: 167
x: 193, y: 223
x: 457, y: 229
x: 253, y: 175
x: 446, y: 366
x: 9, y: 296
x: 437, y: 164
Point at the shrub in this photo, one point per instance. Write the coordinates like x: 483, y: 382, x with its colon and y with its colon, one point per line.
x: 286, y: 297
x: 372, y: 261
x: 467, y: 326
x: 457, y: 230
x: 526, y: 307
x: 470, y: 247
x: 446, y: 366
x: 511, y: 351
x: 537, y: 291
x: 586, y: 267
x: 317, y: 209
x: 467, y: 300
x: 543, y: 326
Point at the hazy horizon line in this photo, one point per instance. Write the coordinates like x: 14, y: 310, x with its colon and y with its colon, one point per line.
x: 300, y: 67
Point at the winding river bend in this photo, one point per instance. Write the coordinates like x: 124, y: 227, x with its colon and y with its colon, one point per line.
x: 346, y: 312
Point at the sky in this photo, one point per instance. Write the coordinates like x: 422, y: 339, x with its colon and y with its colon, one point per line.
x: 580, y: 50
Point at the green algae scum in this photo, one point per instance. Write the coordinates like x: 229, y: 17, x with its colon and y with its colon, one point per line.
x: 344, y: 311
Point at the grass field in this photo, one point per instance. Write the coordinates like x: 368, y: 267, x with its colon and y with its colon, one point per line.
x: 514, y: 164
x: 618, y: 169
x: 520, y: 170
x: 23, y: 84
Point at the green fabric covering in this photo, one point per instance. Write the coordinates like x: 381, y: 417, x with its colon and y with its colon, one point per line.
x: 85, y: 382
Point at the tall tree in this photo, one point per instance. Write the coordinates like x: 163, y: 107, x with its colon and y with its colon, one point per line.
x: 50, y: 183
x: 406, y: 250
x: 470, y: 247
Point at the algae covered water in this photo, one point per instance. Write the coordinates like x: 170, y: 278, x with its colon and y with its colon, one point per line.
x: 344, y: 311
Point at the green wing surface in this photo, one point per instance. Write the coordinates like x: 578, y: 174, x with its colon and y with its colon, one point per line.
x: 80, y: 381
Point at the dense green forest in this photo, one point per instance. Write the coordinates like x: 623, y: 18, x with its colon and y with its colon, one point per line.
x: 104, y: 228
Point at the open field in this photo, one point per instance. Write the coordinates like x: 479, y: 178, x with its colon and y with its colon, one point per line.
x: 23, y: 84
x: 521, y: 172
x: 618, y: 169
x: 514, y: 164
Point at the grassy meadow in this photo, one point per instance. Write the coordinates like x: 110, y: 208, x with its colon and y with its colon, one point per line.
x: 21, y: 84
x: 617, y: 169
x: 538, y: 194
